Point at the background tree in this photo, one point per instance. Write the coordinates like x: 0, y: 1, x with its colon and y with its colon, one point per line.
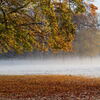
x: 88, y: 19
x: 87, y: 42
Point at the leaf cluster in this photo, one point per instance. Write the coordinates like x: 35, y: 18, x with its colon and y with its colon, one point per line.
x: 44, y: 25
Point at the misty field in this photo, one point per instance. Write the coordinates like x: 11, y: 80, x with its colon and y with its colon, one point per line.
x: 49, y: 87
x: 59, y: 65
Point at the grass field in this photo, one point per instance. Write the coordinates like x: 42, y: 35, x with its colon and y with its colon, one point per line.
x: 49, y: 87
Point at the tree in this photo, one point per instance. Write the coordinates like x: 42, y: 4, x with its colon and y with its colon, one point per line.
x: 87, y: 43
x: 27, y: 25
x: 87, y: 20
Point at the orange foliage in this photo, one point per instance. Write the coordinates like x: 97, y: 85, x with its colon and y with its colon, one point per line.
x: 93, y: 9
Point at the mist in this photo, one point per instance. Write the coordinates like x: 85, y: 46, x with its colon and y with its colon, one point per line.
x: 66, y: 66
x: 84, y: 60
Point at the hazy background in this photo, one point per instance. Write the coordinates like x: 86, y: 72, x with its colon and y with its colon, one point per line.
x: 84, y: 60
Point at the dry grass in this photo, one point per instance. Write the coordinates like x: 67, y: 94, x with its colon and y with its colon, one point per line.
x: 44, y: 87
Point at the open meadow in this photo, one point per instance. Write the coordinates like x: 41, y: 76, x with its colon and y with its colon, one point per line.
x: 49, y: 87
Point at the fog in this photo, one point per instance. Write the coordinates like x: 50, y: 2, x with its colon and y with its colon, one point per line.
x: 84, y: 60
x: 66, y: 66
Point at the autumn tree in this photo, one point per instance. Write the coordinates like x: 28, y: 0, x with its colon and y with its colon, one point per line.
x: 87, y: 43
x: 44, y: 25
x: 88, y: 19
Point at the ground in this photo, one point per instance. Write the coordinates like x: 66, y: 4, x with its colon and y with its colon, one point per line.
x: 49, y: 87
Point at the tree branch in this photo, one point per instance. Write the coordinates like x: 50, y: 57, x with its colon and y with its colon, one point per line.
x: 26, y: 24
x: 21, y: 7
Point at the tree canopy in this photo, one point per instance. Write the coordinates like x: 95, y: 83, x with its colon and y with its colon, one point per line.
x: 44, y: 25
